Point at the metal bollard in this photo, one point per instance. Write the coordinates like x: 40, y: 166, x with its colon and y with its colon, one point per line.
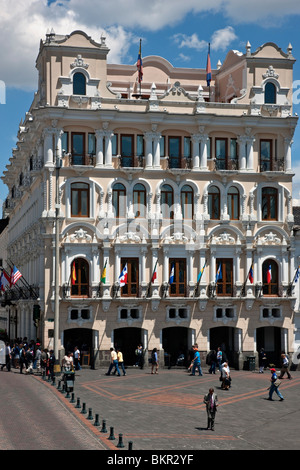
x: 103, y: 426
x: 130, y: 443
x: 90, y: 416
x: 68, y: 393
x: 96, y: 423
x: 53, y: 380
x: 72, y: 398
x: 83, y: 411
x: 59, y: 385
x: 111, y: 436
x: 120, y: 443
x: 78, y: 405
x: 44, y: 375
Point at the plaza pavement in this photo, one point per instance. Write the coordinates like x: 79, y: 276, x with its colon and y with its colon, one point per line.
x: 165, y: 412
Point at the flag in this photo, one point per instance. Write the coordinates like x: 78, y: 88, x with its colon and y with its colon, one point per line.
x: 250, y: 276
x: 269, y: 275
x: 139, y: 64
x: 208, y: 68
x: 15, y: 275
x: 297, y: 274
x: 200, y: 274
x: 123, y: 276
x: 219, y: 273
x: 4, y: 280
x: 73, y: 275
x: 172, y: 275
x: 154, y: 275
x: 103, y: 275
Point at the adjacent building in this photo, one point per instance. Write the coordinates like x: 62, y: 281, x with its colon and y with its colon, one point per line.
x: 174, y: 181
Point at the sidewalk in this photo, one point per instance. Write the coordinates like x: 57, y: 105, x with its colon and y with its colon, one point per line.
x: 166, y: 411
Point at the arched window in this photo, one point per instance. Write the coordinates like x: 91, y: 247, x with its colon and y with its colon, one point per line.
x: 270, y: 277
x: 270, y: 93
x: 79, y: 84
x: 187, y: 202
x: 233, y: 203
x: 80, y: 278
x: 269, y: 197
x: 167, y: 201
x: 214, y: 202
x: 139, y: 200
x: 119, y: 200
x: 80, y: 201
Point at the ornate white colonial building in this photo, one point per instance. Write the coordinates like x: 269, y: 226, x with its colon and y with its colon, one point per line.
x: 170, y: 177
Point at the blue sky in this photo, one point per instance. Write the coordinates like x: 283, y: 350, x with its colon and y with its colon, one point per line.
x: 176, y: 30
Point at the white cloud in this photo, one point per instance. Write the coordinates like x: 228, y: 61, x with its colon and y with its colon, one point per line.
x: 222, y: 38
x: 24, y: 22
x: 192, y: 42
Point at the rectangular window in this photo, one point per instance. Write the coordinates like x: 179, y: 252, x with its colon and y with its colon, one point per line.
x: 91, y: 144
x: 78, y: 148
x: 131, y: 289
x: 187, y: 147
x: 139, y: 145
x: 64, y: 142
x: 266, y: 155
x: 178, y: 286
x: 225, y: 281
x: 127, y: 150
x: 162, y: 146
x: 221, y: 154
x: 114, y: 143
x: 174, y: 152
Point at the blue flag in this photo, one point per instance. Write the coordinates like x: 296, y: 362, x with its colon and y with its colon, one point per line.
x: 219, y: 273
x: 172, y: 275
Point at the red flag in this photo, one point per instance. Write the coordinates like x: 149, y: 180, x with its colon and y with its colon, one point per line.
x: 139, y: 64
x: 269, y: 274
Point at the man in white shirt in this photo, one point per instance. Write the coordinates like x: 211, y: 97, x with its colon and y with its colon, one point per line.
x: 77, y: 358
x: 113, y: 362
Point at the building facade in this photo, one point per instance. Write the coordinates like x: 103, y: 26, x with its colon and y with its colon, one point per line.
x: 167, y: 176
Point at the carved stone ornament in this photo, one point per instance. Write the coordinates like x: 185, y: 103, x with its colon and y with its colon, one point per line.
x: 177, y: 237
x: 130, y: 236
x: 79, y: 62
x: 270, y: 73
x: 269, y: 239
x: 80, y: 235
x: 223, y: 239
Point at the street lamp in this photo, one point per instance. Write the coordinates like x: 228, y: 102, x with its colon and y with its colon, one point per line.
x: 58, y: 164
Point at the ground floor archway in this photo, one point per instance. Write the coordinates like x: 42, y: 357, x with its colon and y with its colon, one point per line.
x: 270, y: 338
x: 127, y: 339
x: 83, y: 339
x: 176, y: 341
x: 224, y: 337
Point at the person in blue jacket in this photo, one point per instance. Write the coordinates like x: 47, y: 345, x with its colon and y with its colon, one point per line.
x: 274, y: 387
x: 196, y: 361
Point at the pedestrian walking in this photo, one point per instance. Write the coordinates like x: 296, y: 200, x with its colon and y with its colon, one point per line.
x: 196, y: 361
x: 120, y: 362
x: 52, y: 360
x: 38, y: 355
x: 285, y: 366
x: 211, y: 402
x: 154, y: 361
x: 113, y: 362
x: 262, y: 360
x: 225, y: 376
x: 23, y: 359
x: 29, y: 357
x: 77, y: 358
x: 7, y: 357
x: 68, y: 362
x: 212, y: 360
x: 140, y: 356
x: 274, y: 387
x: 219, y: 358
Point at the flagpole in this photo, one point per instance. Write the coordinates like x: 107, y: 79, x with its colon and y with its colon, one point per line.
x: 209, y: 81
x: 22, y: 279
